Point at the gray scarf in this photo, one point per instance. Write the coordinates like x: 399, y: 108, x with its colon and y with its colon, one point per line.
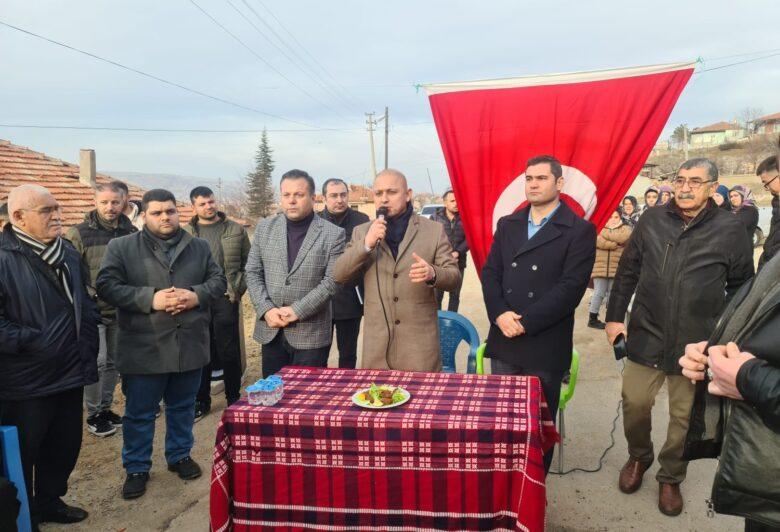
x: 53, y: 255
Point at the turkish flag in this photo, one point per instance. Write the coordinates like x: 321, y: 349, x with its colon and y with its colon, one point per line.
x: 601, y: 126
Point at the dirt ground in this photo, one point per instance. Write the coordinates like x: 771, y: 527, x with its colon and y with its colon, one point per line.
x: 575, y: 502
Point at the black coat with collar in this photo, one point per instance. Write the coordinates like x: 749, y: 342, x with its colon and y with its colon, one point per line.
x: 47, y: 344
x: 542, y: 279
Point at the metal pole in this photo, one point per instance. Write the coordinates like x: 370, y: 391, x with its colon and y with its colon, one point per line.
x: 370, y: 124
x: 430, y: 182
x: 387, y: 132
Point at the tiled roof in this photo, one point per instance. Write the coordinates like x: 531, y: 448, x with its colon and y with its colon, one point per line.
x: 719, y: 126
x: 768, y: 118
x: 20, y: 166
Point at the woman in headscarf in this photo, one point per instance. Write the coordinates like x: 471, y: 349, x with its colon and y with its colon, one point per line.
x: 744, y: 207
x: 721, y: 197
x: 666, y: 194
x: 629, y: 211
x: 651, y: 197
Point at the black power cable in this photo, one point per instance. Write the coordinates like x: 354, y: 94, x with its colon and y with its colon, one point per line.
x: 609, y: 447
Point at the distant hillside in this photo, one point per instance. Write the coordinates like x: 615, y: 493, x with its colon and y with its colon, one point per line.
x: 180, y: 185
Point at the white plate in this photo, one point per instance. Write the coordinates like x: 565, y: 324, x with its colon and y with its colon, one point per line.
x: 405, y: 393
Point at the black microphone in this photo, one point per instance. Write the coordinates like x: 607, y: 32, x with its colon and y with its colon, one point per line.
x: 381, y: 214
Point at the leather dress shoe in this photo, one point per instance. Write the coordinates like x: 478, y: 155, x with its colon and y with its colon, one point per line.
x: 670, y: 500
x: 62, y: 513
x: 631, y: 475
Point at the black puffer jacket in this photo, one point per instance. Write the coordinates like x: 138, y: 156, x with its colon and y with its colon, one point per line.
x: 682, y: 275
x: 455, y: 234
x: 47, y: 344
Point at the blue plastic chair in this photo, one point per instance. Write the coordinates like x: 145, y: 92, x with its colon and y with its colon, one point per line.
x: 12, y: 470
x: 454, y: 329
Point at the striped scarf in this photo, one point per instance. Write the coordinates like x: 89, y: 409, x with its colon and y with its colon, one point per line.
x: 53, y: 255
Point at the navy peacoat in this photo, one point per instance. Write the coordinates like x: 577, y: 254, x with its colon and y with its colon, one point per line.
x: 542, y: 279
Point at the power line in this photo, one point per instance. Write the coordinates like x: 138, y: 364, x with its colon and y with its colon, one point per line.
x: 738, y: 63
x: 311, y: 73
x: 745, y: 54
x: 152, y: 76
x: 264, y: 61
x: 302, y: 47
x: 164, y: 130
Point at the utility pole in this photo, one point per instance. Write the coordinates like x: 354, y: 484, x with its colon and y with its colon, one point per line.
x: 685, y: 140
x: 370, y: 122
x: 219, y: 189
x: 430, y: 182
x: 387, y: 131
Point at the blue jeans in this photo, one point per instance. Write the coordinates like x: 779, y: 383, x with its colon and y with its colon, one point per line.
x: 143, y: 394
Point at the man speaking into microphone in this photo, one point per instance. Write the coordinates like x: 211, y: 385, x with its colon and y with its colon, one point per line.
x: 402, y: 258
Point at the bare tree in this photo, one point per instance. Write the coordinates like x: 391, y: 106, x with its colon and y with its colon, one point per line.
x: 747, y: 117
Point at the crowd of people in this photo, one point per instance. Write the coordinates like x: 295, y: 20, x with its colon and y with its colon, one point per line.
x: 131, y: 295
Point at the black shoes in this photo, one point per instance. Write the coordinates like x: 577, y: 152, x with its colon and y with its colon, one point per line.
x: 594, y: 323
x: 135, y: 485
x: 98, y: 425
x: 201, y: 409
x: 62, y: 513
x: 111, y: 417
x: 186, y: 468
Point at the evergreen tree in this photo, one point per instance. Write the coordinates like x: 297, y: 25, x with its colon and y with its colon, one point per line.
x: 259, y: 187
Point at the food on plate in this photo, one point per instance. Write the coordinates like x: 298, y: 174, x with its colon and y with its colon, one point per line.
x: 382, y: 395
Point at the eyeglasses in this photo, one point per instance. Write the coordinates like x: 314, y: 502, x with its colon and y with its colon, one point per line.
x: 766, y: 185
x: 694, y: 183
x: 46, y: 211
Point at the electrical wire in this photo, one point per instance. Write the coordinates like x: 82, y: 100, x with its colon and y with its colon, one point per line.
x: 152, y: 76
x: 264, y: 61
x: 310, y: 73
x: 609, y: 447
x: 165, y: 130
x: 738, y: 63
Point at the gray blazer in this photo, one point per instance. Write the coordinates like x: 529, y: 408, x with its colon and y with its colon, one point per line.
x: 151, y: 341
x: 307, y: 287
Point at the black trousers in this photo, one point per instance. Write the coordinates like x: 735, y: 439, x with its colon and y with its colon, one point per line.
x: 278, y: 353
x: 49, y: 440
x: 551, y: 386
x: 454, y: 301
x: 9, y: 504
x: 347, y: 332
x: 755, y: 526
x: 225, y: 351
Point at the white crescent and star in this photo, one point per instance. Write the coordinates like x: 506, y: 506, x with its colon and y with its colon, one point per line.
x: 576, y: 185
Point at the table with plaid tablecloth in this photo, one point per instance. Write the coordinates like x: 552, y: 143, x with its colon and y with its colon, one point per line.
x: 465, y: 453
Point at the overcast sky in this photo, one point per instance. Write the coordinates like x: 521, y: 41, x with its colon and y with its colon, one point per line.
x: 368, y: 55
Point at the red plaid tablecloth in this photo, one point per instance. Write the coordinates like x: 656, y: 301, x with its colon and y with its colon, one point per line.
x: 465, y: 453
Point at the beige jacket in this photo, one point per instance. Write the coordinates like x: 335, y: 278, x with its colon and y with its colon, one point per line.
x: 411, y: 307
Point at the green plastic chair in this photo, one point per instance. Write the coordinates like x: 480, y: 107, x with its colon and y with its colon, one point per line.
x: 567, y: 392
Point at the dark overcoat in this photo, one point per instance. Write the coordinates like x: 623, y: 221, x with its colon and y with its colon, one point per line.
x: 151, y: 341
x: 542, y: 279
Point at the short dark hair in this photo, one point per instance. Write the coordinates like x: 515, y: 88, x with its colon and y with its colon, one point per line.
x: 333, y: 180
x: 767, y: 165
x: 113, y: 186
x: 156, y: 194
x: 447, y: 193
x: 4, y: 209
x: 555, y: 164
x: 122, y: 185
x: 200, y: 192
x: 701, y: 162
x: 299, y: 174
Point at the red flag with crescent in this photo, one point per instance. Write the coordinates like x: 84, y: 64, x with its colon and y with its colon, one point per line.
x: 601, y: 125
